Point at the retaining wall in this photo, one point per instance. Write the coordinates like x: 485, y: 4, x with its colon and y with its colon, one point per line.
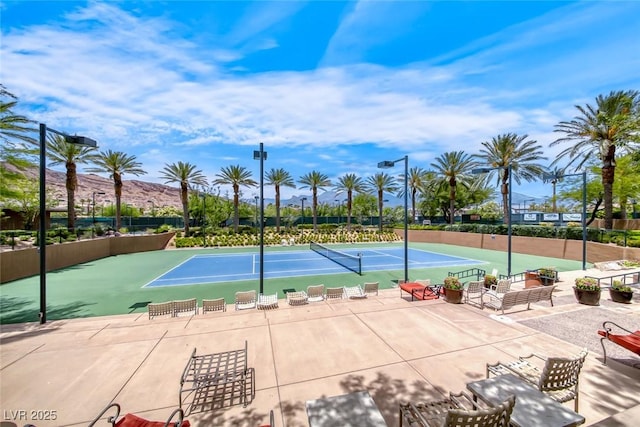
x: 26, y: 262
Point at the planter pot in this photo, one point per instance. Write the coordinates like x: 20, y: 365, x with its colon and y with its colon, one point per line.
x: 547, y: 281
x: 532, y: 280
x: 453, y: 296
x: 587, y: 297
x: 620, y: 296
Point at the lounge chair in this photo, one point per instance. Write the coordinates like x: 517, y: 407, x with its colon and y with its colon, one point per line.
x: 354, y: 292
x: 371, y: 288
x: 297, y: 298
x: 474, y: 291
x: 217, y: 304
x: 315, y: 293
x: 130, y: 420
x: 624, y: 338
x: 457, y: 411
x: 559, y: 377
x: 267, y: 302
x: 334, y: 293
x: 245, y: 300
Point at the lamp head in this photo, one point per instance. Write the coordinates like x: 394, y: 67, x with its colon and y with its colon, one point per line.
x: 477, y: 171
x: 386, y: 164
x: 257, y: 154
x: 81, y: 140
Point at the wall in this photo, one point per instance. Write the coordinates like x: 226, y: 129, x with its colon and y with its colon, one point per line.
x: 555, y: 248
x: 26, y: 262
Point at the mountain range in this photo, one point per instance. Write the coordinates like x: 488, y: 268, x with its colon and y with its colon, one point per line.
x: 147, y: 195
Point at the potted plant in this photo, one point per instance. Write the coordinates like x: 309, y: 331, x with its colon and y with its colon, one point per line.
x: 620, y: 292
x: 489, y: 280
x: 548, y: 275
x: 587, y: 290
x: 453, y: 290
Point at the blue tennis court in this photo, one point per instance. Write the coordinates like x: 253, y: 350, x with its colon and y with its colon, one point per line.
x: 216, y: 268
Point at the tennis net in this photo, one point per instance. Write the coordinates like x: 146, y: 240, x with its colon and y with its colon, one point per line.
x: 352, y: 262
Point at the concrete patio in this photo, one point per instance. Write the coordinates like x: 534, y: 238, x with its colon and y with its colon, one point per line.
x: 395, y: 349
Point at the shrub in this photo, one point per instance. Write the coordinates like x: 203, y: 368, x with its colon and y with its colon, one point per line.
x: 617, y: 285
x: 453, y: 283
x: 587, y: 284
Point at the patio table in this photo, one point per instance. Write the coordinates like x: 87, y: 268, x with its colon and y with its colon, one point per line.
x: 533, y: 408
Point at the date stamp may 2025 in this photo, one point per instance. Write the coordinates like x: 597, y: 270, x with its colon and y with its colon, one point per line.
x: 29, y: 414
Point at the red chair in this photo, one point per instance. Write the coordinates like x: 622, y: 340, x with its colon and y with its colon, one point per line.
x: 629, y: 340
x: 421, y: 290
x: 130, y: 420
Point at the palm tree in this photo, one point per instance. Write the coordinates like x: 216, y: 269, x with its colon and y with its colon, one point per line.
x: 313, y: 181
x: 278, y: 178
x: 116, y: 164
x: 453, y: 168
x: 379, y: 183
x: 417, y: 180
x: 598, y: 131
x: 237, y: 176
x: 13, y: 127
x: 350, y: 183
x: 63, y: 153
x: 512, y: 150
x: 187, y: 176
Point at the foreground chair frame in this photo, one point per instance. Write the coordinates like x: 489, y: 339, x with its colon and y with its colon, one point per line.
x: 213, y: 376
x: 130, y: 419
x: 559, y: 377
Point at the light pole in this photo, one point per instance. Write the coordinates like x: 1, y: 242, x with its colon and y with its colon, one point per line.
x: 262, y: 156
x: 79, y: 140
x: 388, y: 164
x: 508, y: 169
x: 153, y: 207
x: 93, y: 210
x: 339, y: 210
x: 302, y: 201
x: 554, y: 177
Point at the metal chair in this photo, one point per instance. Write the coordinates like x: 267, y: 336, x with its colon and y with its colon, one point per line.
x: 371, y: 288
x: 245, y: 300
x: 459, y: 410
x: 474, y: 290
x: 315, y: 293
x: 558, y: 378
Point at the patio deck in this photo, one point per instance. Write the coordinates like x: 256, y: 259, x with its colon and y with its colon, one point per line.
x: 395, y: 349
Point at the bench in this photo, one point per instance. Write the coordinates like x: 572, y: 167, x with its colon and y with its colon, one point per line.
x: 421, y: 290
x: 525, y: 296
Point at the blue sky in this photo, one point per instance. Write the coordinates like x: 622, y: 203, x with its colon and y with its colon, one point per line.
x: 325, y: 85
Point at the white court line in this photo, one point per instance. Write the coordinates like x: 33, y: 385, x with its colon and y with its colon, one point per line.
x: 170, y: 270
x: 253, y: 264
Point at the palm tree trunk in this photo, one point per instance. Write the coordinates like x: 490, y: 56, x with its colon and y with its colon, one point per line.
x: 413, y: 205
x: 349, y: 195
x: 277, y: 208
x: 315, y: 209
x: 184, y: 197
x: 607, y: 186
x: 452, y: 202
x: 71, y: 184
x: 553, y: 200
x: 236, y: 214
x: 117, y: 185
x: 380, y: 195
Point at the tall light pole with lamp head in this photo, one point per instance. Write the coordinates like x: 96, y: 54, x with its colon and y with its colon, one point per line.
x: 302, y: 201
x: 42, y: 232
x: 554, y: 177
x: 262, y: 156
x: 389, y: 164
x: 93, y: 210
x: 153, y: 207
x: 508, y: 169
